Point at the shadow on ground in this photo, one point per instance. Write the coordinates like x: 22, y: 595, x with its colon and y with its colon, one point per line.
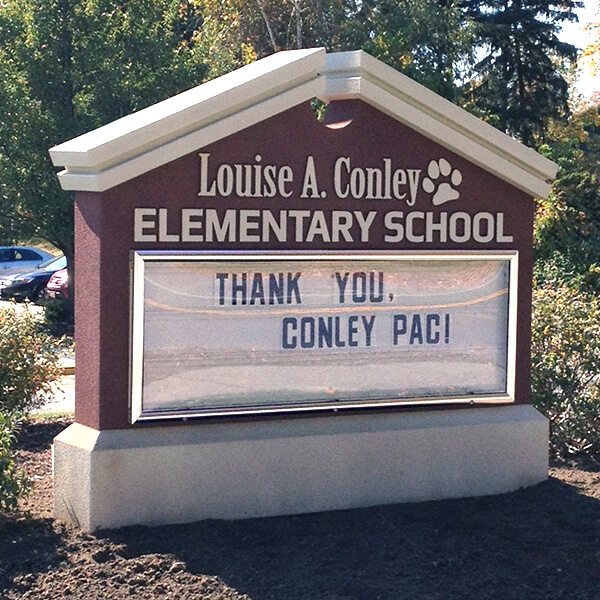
x: 538, y: 543
x: 542, y: 542
x: 29, y: 546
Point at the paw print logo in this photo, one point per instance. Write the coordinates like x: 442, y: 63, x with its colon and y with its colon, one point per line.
x: 444, y: 190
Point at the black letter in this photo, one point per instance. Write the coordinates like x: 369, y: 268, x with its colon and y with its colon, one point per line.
x: 341, y: 285
x: 325, y: 332
x: 292, y: 281
x: 222, y: 277
x: 307, y: 324
x: 416, y: 330
x: 379, y: 296
x: 276, y: 288
x: 352, y: 330
x: 288, y: 323
x: 363, y: 292
x: 433, y: 338
x: 235, y: 288
x: 258, y: 291
x: 398, y: 331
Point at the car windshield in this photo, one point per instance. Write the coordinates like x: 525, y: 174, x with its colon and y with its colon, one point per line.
x: 54, y: 264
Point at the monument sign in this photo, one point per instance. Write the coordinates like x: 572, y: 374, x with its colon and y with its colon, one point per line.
x: 279, y: 315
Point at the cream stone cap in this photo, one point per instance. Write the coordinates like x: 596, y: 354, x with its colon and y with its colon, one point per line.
x: 187, y: 122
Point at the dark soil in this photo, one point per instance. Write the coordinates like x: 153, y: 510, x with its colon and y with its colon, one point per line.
x: 541, y: 542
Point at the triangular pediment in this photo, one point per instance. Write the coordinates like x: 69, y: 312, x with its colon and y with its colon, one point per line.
x: 150, y: 138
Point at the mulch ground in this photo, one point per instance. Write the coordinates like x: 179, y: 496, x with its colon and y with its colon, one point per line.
x: 541, y: 542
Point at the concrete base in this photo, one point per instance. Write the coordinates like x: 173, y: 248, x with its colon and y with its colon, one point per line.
x: 227, y: 470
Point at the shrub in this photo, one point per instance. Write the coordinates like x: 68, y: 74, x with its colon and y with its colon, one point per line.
x: 566, y: 366
x: 58, y: 316
x: 28, y: 367
x: 29, y: 362
x: 13, y: 482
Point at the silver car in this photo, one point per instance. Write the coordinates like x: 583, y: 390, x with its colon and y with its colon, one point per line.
x: 19, y: 259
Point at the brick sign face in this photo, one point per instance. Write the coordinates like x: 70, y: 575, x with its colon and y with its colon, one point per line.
x: 293, y: 183
x: 295, y: 266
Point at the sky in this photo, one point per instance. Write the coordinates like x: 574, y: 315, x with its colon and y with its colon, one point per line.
x: 573, y: 34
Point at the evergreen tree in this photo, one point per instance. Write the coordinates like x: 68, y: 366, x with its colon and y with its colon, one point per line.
x: 428, y: 40
x: 519, y: 76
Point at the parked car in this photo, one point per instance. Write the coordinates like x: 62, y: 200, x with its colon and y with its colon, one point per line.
x: 18, y: 259
x: 58, y: 285
x: 30, y: 284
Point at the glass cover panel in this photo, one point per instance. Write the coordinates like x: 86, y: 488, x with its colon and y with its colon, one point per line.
x: 255, y: 333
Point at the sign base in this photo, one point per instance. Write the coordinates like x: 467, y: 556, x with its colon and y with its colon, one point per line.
x: 238, y: 470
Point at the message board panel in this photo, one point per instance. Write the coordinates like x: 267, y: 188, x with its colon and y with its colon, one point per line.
x: 217, y: 334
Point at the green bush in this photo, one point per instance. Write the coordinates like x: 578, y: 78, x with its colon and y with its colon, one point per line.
x: 28, y: 368
x: 13, y: 481
x: 566, y: 366
x: 29, y: 362
x: 58, y: 316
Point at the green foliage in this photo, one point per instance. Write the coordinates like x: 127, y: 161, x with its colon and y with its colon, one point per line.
x: 428, y: 40
x: 566, y: 316
x: 272, y: 25
x: 566, y: 366
x: 28, y: 368
x: 69, y: 66
x: 235, y: 32
x: 58, y: 316
x: 29, y: 363
x: 13, y: 481
x: 519, y: 76
x: 568, y: 222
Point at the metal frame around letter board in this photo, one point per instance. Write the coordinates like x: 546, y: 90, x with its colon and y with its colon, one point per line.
x: 137, y: 331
